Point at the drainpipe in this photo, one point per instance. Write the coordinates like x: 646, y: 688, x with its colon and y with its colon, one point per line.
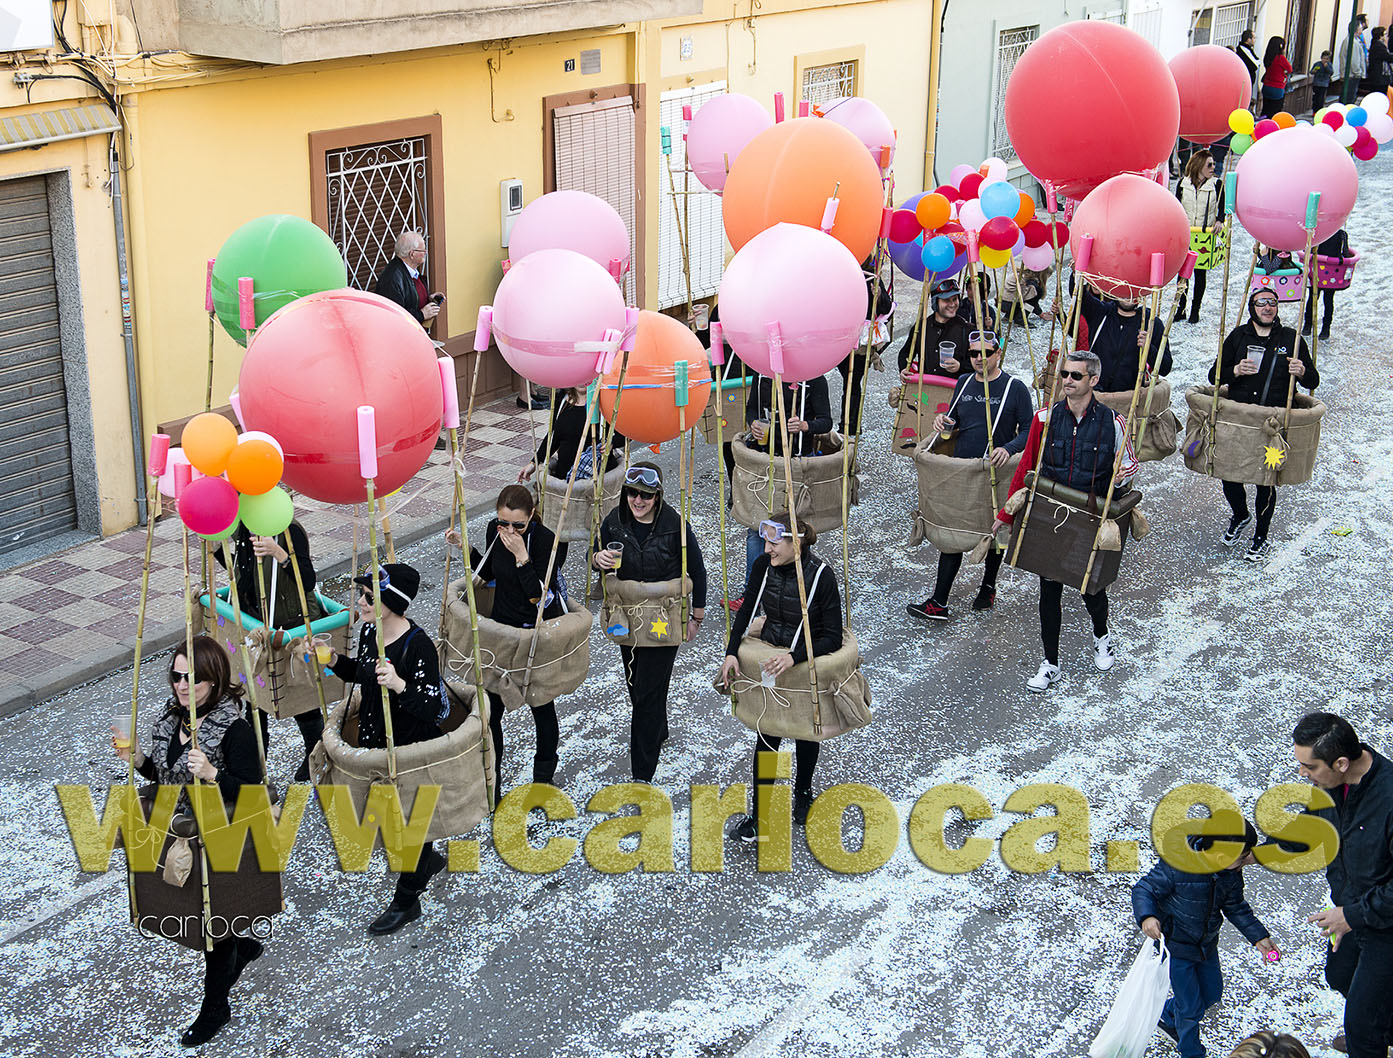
x: 940, y: 16
x: 127, y: 335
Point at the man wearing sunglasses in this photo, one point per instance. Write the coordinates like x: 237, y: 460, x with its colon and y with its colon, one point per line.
x: 1258, y: 360
x: 1116, y: 338
x: 1011, y: 410
x: 1080, y: 450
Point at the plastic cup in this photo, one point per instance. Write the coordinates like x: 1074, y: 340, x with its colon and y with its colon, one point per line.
x: 616, y: 550
x: 122, y: 723
x: 761, y: 430
x: 767, y: 679
x: 323, y: 649
x: 1255, y: 354
x: 947, y: 353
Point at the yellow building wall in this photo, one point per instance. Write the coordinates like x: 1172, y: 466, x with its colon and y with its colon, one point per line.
x: 212, y: 156
x: 85, y: 160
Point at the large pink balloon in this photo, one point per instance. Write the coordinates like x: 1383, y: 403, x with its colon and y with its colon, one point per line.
x: 1089, y: 100
x: 1276, y: 176
x: 806, y: 282
x: 547, y: 303
x: 718, y: 133
x: 1130, y: 218
x: 571, y: 220
x: 1213, y: 82
x: 867, y: 122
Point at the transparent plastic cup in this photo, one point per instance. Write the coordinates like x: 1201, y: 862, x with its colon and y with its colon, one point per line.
x: 122, y: 723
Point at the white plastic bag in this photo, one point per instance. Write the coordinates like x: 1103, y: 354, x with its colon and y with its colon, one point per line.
x: 1132, y: 1021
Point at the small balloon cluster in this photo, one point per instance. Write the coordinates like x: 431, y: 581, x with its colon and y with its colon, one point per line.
x: 1359, y: 129
x: 221, y: 480
x: 928, y: 233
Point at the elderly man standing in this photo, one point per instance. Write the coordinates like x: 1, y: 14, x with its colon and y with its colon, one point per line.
x: 404, y: 281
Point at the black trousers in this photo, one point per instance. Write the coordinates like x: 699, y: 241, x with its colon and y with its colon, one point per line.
x: 948, y: 566
x: 1327, y: 313
x: 804, y: 761
x: 220, y: 969
x: 1361, y: 970
x: 1052, y: 615
x: 411, y: 884
x: 1237, y: 495
x: 1318, y: 96
x: 648, y: 673
x: 1197, y: 283
x: 1272, y: 107
x: 548, y: 739
x: 853, y: 371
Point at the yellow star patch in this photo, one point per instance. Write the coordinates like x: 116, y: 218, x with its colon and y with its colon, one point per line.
x: 1274, y: 457
x: 658, y: 627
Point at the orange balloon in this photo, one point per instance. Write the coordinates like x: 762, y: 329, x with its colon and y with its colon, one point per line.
x: 1026, y: 213
x: 254, y: 467
x: 1284, y: 120
x: 648, y: 410
x: 932, y: 211
x: 208, y: 440
x: 788, y: 172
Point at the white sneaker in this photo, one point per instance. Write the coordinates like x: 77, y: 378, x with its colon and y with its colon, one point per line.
x: 1047, y: 675
x: 1103, y: 656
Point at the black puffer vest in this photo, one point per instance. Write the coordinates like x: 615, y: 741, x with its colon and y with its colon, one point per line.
x: 659, y: 557
x: 1080, y: 454
x: 783, y: 613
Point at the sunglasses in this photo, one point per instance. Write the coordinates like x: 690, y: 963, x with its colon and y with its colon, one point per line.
x: 641, y: 476
x: 519, y: 526
x: 177, y: 678
x: 1077, y: 376
x: 773, y: 532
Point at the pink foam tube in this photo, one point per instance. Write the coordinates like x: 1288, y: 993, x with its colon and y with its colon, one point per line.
x: 450, y: 420
x: 1085, y: 254
x: 1187, y: 267
x: 246, y: 304
x: 686, y: 112
x: 885, y: 157
x: 1051, y: 199
x: 974, y: 253
x: 776, y: 348
x: 507, y: 264
x: 778, y: 107
x: 367, y: 442
x: 616, y: 269
x: 1158, y: 270
x: 630, y: 336
x: 159, y: 454
x: 183, y: 474
x: 208, y: 288
x: 885, y: 217
x: 829, y: 214
x: 483, y: 330
x: 718, y: 345
x: 802, y: 108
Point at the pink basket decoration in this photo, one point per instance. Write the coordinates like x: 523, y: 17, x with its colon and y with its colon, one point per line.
x: 1286, y: 286
x: 1334, y: 273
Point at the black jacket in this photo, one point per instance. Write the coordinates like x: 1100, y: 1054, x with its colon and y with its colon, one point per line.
x: 395, y: 284
x: 567, y: 427
x: 1361, y: 875
x: 287, y: 608
x: 806, y: 400
x: 518, y: 588
x: 654, y: 552
x: 415, y: 709
x: 935, y: 333
x: 1269, y: 386
x: 1192, y: 908
x: 783, y: 613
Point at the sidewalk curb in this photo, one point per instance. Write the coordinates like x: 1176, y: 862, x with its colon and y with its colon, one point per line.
x: 19, y: 696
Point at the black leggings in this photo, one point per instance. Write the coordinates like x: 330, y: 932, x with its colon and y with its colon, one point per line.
x: 948, y: 566
x: 648, y: 672
x: 1328, y: 314
x: 548, y: 738
x: 1051, y: 615
x: 857, y: 382
x: 411, y: 884
x: 805, y: 760
x: 1237, y: 495
x: 1195, y: 295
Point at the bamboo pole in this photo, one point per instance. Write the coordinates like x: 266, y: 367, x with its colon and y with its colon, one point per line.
x: 1025, y: 325
x: 718, y: 356
x: 309, y: 633
x: 193, y: 729
x: 1181, y: 287
x: 545, y: 469
x: 986, y: 384
x: 1307, y: 268
x: 242, y: 650
x: 386, y: 528
x: 924, y: 298
x: 684, y: 490
x: 378, y: 635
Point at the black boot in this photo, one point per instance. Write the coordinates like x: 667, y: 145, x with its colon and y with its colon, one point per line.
x: 220, y: 969
x: 1195, y: 314
x: 398, y: 914
x: 311, y: 725
x: 207, y: 1025
x: 802, y: 801
x: 248, y: 951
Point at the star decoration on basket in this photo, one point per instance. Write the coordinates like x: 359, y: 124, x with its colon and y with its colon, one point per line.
x: 1274, y: 457
x: 658, y: 627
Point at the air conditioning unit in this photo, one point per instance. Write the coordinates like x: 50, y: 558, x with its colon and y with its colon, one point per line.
x: 26, y: 25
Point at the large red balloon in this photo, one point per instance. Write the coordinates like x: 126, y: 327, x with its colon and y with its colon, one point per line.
x: 1213, y: 82
x: 1130, y: 218
x: 648, y: 409
x: 1089, y: 100
x: 311, y: 366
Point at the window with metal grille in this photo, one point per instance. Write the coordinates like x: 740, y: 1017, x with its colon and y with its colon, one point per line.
x: 375, y: 192
x: 1222, y: 25
x: 822, y: 84
x: 1298, y: 36
x: 700, y: 209
x: 1010, y: 46
x: 1147, y: 22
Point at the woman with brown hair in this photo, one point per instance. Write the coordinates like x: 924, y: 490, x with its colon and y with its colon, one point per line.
x: 1201, y: 193
x: 1268, y: 1044
x: 226, y: 755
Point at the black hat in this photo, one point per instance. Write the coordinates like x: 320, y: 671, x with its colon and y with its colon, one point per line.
x: 400, y: 583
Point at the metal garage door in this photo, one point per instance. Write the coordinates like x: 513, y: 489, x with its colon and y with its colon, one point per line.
x: 36, y: 474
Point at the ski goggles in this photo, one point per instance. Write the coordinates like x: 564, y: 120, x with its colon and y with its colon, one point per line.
x: 773, y: 532
x: 642, y: 478
x: 982, y: 338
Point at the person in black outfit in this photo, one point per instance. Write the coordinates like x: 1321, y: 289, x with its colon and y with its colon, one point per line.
x: 251, y: 552
x: 1116, y: 337
x: 1379, y: 58
x: 968, y: 309
x: 226, y: 755
x: 416, y: 696
x: 1011, y: 412
x: 1337, y: 245
x: 517, y: 549
x: 404, y: 281
x: 943, y: 327
x: 853, y: 369
x: 774, y: 582
x: 650, y: 531
x: 1359, y: 958
x: 567, y: 427
x: 1261, y: 379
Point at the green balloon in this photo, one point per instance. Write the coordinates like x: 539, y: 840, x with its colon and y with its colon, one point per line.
x: 267, y: 514
x: 286, y: 258
x: 218, y: 538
